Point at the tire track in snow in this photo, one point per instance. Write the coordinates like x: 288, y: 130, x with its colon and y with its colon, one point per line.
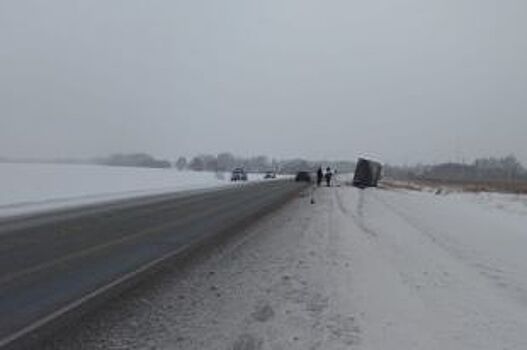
x: 358, y: 214
x: 453, y: 303
x: 490, y: 268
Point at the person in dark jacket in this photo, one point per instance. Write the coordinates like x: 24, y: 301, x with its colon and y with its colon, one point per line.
x: 320, y: 176
x: 328, y: 176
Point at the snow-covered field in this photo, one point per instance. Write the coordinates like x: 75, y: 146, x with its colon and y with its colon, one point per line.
x: 28, y: 188
x: 373, y: 269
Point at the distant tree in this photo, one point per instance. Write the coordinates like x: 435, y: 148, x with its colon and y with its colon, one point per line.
x: 226, y: 162
x: 181, y: 163
x: 210, y: 162
x: 512, y: 167
x: 260, y: 163
x: 197, y: 164
x: 505, y: 168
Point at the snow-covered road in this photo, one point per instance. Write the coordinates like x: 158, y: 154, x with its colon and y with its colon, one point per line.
x: 373, y: 269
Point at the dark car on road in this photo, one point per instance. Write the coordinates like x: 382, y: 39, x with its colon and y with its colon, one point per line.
x: 239, y: 174
x: 303, y: 176
x: 270, y: 175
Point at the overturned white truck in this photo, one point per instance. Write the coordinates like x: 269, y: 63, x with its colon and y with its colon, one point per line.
x: 367, y: 173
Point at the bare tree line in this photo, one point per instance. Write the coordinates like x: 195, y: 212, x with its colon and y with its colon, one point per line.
x: 482, y: 169
x: 227, y: 162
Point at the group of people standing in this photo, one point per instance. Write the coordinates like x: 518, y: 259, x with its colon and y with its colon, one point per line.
x: 327, y: 175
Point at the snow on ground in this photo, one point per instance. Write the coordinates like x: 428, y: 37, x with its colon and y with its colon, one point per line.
x: 373, y: 269
x: 28, y: 188
x: 514, y: 203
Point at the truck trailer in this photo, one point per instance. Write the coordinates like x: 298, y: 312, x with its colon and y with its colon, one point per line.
x: 367, y: 173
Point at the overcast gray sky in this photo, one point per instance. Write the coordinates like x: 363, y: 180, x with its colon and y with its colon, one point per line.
x: 404, y: 81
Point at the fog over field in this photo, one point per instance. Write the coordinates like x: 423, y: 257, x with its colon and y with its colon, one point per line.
x: 404, y: 81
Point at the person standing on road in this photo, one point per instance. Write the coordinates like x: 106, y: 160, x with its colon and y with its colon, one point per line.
x: 328, y: 176
x: 320, y: 176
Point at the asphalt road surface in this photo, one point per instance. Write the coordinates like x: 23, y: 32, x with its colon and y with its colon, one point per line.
x: 53, y: 264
